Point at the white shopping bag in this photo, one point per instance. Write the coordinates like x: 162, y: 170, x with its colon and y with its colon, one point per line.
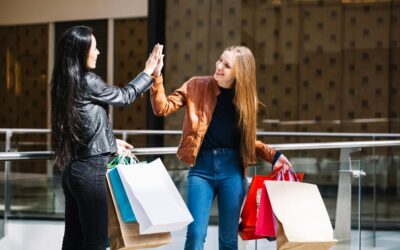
x: 156, y: 202
x: 303, y: 222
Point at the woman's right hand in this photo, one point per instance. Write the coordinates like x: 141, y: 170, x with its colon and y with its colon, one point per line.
x: 123, y: 147
x: 153, y: 59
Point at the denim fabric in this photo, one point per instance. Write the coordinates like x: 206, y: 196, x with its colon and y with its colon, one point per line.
x: 217, y: 172
x: 86, y: 214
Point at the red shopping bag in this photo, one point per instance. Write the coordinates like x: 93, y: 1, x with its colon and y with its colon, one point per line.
x: 251, y: 208
x: 266, y: 224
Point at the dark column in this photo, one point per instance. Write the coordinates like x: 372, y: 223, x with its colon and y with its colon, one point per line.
x: 156, y: 34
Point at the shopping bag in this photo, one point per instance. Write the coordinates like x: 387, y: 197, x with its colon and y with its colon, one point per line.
x: 156, y: 202
x: 121, y: 198
x: 118, y: 190
x: 125, y: 236
x: 266, y: 224
x: 250, y: 209
x: 303, y: 222
x: 255, y: 206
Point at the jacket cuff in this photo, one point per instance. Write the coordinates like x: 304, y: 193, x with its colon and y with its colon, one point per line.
x: 142, y: 82
x: 276, y: 157
x: 158, y: 80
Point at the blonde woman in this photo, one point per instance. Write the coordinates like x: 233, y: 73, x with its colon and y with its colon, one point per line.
x: 218, y: 141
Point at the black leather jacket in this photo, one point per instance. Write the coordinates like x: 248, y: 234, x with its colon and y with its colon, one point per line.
x: 93, y: 106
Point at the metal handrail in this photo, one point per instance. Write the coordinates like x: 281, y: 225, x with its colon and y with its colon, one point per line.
x: 42, y: 155
x: 260, y: 133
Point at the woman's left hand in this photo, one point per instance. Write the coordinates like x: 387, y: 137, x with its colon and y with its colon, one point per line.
x: 153, y: 59
x: 160, y: 64
x: 283, y: 162
x: 123, y: 147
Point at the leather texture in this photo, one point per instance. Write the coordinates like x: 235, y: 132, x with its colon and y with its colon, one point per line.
x: 199, y: 95
x: 94, y: 104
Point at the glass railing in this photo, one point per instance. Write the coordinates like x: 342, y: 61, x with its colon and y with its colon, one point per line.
x: 34, y: 196
x: 31, y: 194
x: 41, y: 198
x: 369, y: 206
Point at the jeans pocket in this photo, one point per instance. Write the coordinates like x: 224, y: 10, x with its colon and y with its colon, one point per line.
x: 79, y: 173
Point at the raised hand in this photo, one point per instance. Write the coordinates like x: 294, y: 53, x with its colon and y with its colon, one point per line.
x: 160, y: 64
x: 153, y: 59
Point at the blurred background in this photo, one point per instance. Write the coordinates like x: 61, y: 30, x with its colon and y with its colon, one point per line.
x: 330, y: 67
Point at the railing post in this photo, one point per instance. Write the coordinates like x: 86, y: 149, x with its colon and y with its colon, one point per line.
x: 375, y: 208
x: 343, y: 206
x: 124, y: 136
x: 7, y: 186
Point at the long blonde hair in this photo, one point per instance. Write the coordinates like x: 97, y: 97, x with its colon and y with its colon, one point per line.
x: 246, y: 100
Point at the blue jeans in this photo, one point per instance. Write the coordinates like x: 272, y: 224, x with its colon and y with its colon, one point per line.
x: 217, y: 172
x: 86, y: 214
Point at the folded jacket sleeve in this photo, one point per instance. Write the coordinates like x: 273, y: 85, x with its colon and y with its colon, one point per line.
x: 265, y: 152
x: 164, y: 105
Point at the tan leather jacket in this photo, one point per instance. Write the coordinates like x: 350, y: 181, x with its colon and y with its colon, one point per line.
x: 199, y: 94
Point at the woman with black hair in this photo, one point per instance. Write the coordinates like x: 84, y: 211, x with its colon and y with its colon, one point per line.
x: 82, y: 137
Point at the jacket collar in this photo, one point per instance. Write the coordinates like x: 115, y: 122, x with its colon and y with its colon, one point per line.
x: 215, y: 87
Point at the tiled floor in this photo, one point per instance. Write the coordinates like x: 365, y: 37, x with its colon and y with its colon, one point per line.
x: 385, y: 240
x: 47, y: 235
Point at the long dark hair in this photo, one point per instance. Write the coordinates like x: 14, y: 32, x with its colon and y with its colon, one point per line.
x: 66, y: 87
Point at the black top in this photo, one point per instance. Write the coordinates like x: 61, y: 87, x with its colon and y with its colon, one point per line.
x: 223, y: 131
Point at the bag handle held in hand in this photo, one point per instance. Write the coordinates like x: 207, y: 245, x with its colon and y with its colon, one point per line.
x: 289, y: 175
x: 123, y: 160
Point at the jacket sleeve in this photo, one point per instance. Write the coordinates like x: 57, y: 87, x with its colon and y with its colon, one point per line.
x: 101, y: 92
x: 164, y: 105
x: 264, y: 151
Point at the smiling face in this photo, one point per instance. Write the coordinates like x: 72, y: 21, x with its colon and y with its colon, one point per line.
x: 224, y: 72
x: 93, y: 53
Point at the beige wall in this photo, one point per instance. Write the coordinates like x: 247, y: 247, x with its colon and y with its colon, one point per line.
x: 43, y: 11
